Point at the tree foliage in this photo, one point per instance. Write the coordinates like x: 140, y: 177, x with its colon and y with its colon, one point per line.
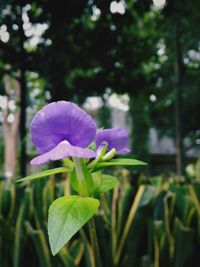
x: 86, y: 48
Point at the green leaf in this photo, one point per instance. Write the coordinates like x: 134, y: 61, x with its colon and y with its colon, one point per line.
x: 108, y: 183
x: 121, y: 162
x: 147, y: 196
x: 97, y: 179
x: 85, y: 186
x: 66, y: 216
x: 40, y: 175
x: 184, y: 243
x: 68, y: 163
x: 74, y: 180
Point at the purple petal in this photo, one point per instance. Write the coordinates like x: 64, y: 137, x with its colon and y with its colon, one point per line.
x: 124, y: 151
x: 115, y: 137
x: 60, y: 121
x: 61, y: 151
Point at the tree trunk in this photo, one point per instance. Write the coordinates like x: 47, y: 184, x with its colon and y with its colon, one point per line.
x: 23, y: 99
x: 178, y: 102
x: 23, y: 154
x: 11, y: 128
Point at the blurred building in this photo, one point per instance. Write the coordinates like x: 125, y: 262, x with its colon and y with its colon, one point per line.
x: 161, y: 149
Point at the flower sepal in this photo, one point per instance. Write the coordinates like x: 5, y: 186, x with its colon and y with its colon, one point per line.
x: 101, y: 152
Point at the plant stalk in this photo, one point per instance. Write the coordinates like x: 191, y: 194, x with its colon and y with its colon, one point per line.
x: 129, y: 222
x: 94, y: 241
x: 78, y: 168
x: 91, y: 223
x: 79, y: 171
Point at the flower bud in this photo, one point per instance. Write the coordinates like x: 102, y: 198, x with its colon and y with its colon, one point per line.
x: 110, y: 154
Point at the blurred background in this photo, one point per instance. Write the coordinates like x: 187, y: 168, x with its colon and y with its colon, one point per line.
x: 129, y: 63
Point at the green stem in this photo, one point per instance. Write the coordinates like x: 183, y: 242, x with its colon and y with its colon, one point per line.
x: 92, y: 228
x: 78, y: 168
x: 129, y: 222
x: 79, y: 171
x: 94, y: 241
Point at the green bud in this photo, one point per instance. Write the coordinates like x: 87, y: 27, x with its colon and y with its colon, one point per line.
x: 101, y: 151
x: 100, y: 154
x: 110, y: 154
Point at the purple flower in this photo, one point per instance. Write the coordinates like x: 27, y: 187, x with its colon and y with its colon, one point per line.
x: 115, y: 138
x: 60, y: 130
